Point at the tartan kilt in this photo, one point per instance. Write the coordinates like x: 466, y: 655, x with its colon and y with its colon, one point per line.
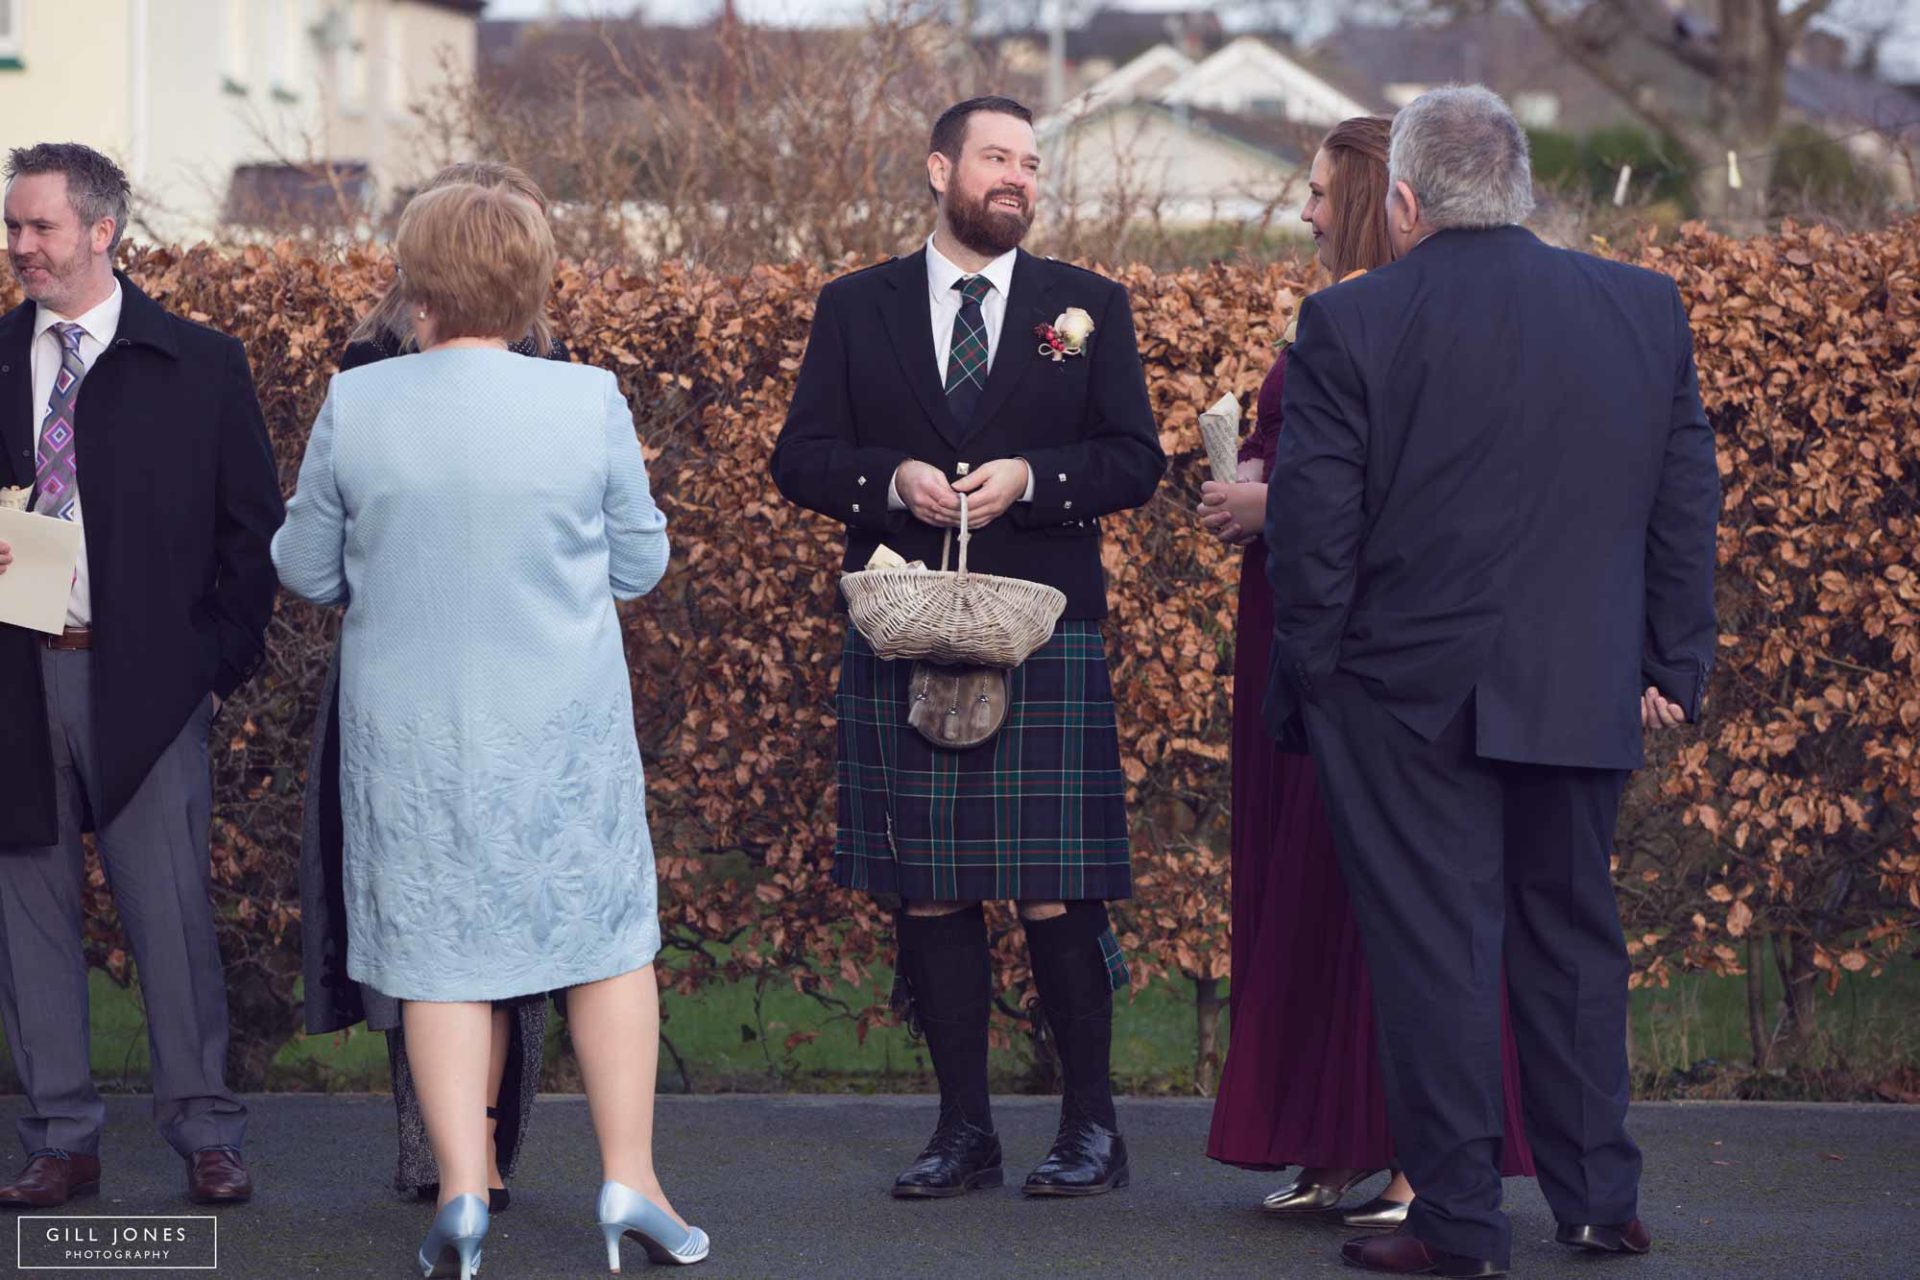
x: 1038, y: 812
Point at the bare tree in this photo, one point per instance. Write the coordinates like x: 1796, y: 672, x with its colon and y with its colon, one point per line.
x: 738, y: 145
x: 1737, y: 49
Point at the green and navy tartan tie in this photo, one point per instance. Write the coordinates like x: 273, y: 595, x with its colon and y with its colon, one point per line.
x: 53, y: 472
x: 967, y: 356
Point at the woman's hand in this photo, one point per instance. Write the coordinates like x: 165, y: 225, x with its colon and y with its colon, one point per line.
x: 1251, y: 471
x: 1234, y: 513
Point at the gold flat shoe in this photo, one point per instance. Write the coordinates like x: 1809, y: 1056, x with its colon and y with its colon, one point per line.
x: 1304, y: 1196
x: 1379, y: 1213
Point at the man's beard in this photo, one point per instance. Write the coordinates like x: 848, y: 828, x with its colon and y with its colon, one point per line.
x: 57, y: 279
x: 985, y: 229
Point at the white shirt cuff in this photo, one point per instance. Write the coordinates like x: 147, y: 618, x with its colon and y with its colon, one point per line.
x: 894, y: 501
x: 1028, y: 495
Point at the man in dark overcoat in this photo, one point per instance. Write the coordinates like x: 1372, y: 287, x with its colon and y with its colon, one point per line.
x: 143, y: 429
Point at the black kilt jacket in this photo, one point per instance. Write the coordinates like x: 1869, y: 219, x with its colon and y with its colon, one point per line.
x: 869, y: 398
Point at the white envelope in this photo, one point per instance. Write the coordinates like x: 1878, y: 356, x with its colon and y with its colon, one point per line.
x: 35, y: 588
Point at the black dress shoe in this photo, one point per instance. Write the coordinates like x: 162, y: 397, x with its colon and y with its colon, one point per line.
x: 959, y: 1158
x: 1087, y: 1159
x: 1404, y: 1254
x: 1623, y: 1237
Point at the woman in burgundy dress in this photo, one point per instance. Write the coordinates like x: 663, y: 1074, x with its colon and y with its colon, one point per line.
x: 1301, y: 1084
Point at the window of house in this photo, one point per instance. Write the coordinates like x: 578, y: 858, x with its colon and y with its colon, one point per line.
x: 236, y: 64
x: 286, y: 43
x: 1537, y: 110
x: 355, y: 78
x: 397, y: 90
x: 10, y: 31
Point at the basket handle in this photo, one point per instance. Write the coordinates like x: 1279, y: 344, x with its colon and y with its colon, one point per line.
x: 964, y: 535
x: 946, y: 543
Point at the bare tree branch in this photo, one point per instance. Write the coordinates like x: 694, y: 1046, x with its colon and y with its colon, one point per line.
x: 1596, y: 64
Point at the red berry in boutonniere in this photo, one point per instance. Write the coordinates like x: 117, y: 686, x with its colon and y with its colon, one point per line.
x: 1066, y: 336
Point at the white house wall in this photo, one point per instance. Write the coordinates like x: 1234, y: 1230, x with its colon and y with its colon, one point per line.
x: 1145, y: 163
x: 180, y: 92
x: 1251, y: 76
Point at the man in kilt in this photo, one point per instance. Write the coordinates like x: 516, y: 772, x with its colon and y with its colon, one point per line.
x: 973, y: 367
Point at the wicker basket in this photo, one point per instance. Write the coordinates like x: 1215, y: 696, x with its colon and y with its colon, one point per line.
x: 961, y: 618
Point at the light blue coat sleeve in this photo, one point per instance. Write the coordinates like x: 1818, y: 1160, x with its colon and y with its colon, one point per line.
x: 636, y: 529
x: 309, y: 551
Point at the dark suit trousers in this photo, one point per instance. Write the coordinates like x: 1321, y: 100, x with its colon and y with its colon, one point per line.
x: 1454, y: 864
x: 156, y: 859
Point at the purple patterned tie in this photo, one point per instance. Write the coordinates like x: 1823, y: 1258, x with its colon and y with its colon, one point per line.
x: 53, y: 471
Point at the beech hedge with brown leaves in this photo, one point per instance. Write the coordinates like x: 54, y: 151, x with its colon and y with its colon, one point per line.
x: 1789, y: 814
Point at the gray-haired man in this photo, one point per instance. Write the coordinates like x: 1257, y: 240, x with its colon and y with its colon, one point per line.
x: 1491, y: 530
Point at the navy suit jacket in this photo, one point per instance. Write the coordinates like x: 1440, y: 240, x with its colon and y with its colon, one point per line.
x: 1495, y: 479
x: 869, y: 398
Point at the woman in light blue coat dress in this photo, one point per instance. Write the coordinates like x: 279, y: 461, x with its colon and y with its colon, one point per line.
x: 478, y: 514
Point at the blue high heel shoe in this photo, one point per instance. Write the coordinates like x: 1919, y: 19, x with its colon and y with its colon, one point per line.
x: 452, y: 1247
x: 625, y: 1212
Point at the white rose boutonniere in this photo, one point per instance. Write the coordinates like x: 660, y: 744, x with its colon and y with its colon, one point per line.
x: 1066, y: 336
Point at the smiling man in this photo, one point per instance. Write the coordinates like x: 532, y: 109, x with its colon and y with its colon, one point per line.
x: 972, y: 367
x: 144, y: 430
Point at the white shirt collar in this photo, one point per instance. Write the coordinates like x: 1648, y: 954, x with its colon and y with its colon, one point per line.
x: 941, y: 273
x: 101, y: 323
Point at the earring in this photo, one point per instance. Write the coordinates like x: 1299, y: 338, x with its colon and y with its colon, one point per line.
x: 420, y: 315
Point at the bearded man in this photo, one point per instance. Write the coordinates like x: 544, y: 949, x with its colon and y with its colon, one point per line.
x: 972, y: 367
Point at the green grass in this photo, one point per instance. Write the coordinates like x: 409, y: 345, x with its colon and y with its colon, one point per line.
x: 1689, y: 1040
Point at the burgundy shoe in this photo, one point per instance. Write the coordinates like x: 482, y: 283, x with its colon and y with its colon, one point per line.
x: 52, y: 1177
x: 216, y: 1176
x: 1624, y: 1237
x: 1402, y: 1254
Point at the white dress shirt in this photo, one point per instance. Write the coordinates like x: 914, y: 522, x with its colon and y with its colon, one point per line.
x: 944, y: 302
x: 99, y: 325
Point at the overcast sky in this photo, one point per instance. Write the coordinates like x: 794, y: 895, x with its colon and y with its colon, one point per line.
x: 678, y: 10
x: 1904, y: 54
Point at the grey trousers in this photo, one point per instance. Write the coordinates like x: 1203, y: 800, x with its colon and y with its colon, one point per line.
x: 157, y: 862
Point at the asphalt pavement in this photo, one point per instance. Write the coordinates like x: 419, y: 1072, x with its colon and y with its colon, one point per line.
x: 796, y: 1186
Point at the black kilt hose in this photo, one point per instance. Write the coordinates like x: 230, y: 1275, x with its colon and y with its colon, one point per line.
x: 1038, y: 812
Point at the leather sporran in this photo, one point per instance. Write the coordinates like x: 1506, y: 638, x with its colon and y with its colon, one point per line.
x: 957, y: 707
